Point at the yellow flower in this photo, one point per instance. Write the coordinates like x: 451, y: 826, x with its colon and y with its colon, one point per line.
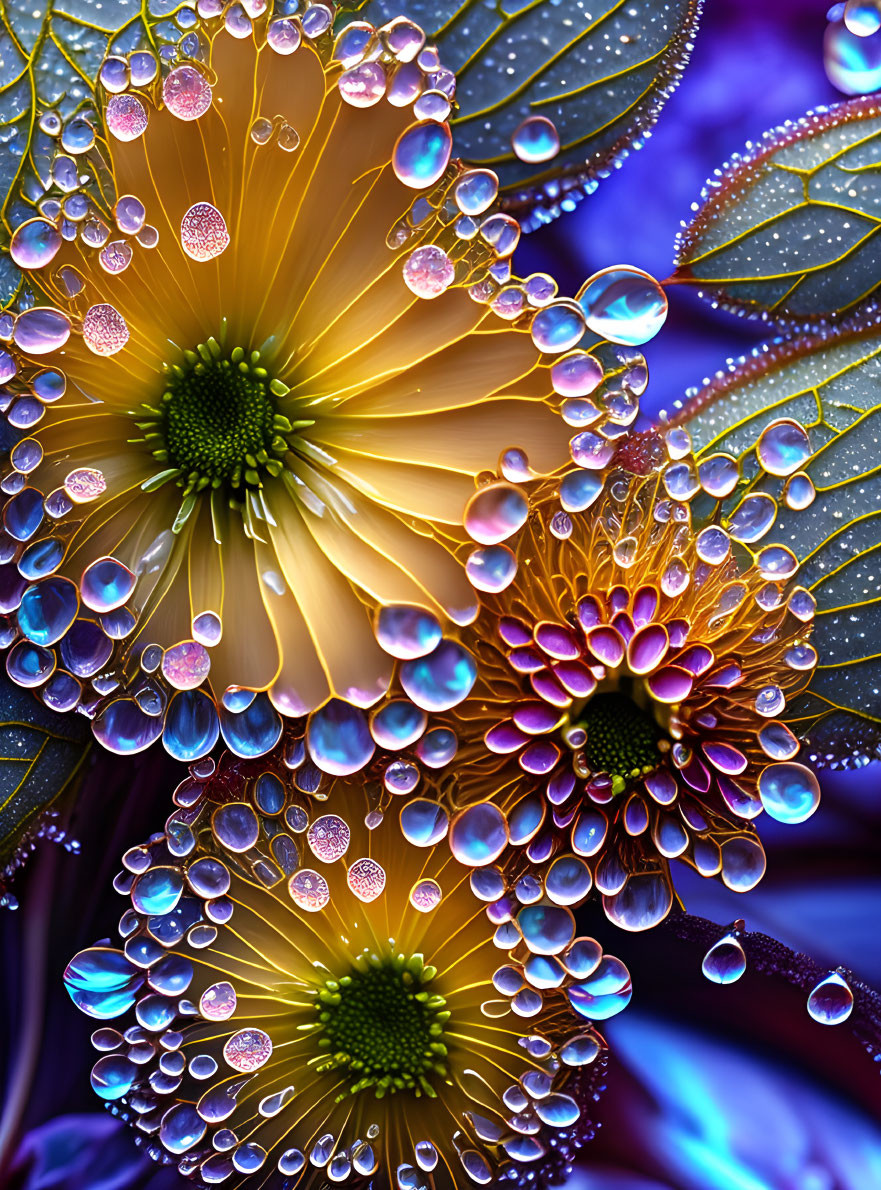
x: 269, y: 312
x: 350, y: 1005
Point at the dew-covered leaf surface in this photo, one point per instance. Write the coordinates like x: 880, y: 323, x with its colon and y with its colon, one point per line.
x: 600, y: 72
x: 789, y: 229
x: 40, y: 751
x: 832, y: 388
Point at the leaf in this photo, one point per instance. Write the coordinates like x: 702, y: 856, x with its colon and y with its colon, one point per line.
x: 600, y: 72
x: 40, y: 752
x: 789, y: 230
x: 832, y: 388
x: 50, y: 55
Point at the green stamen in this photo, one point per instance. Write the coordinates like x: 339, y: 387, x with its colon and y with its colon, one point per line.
x: 622, y: 739
x: 383, y: 1024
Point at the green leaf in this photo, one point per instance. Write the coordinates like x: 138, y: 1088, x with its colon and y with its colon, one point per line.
x: 600, y: 72
x: 40, y: 752
x: 832, y: 387
x: 789, y: 230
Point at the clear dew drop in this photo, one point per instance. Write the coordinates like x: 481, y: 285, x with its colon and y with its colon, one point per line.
x: 363, y: 85
x: 831, y: 1001
x: 852, y: 62
x: 725, y: 961
x: 422, y: 153
x: 476, y: 191
x: 789, y: 792
x: 536, y: 140
x: 784, y: 447
x: 624, y: 304
x: 35, y: 243
x: 492, y: 568
x: 799, y: 492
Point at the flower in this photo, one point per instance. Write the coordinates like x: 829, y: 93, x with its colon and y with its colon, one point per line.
x: 270, y: 352
x: 633, y: 673
x: 346, y: 1003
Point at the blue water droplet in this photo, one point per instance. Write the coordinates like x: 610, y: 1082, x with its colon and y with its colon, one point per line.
x: 41, y: 558
x: 579, y: 489
x: 269, y: 794
x: 34, y: 243
x: 397, y: 724
x: 725, y: 961
x: 831, y: 1001
x: 182, y: 1127
x: 422, y: 153
x: 624, y: 305
x: 853, y: 63
x: 536, y: 140
x: 62, y: 692
x: 605, y: 994
x: 478, y: 835
x: 106, y: 585
x: 158, y: 890
x: 254, y: 731
x: 789, y: 792
x: 85, y: 649
x: 558, y: 327
x: 424, y: 822
x: 102, y: 982
x: 437, y: 747
x: 23, y: 514
x: 441, y: 680
x: 30, y: 665
x: 476, y: 191
x: 338, y: 738
x: 191, y: 726
x: 406, y: 632
x: 546, y: 929
x: 47, y: 610
x: 122, y: 727
x: 112, y: 1076
x: 492, y: 568
x: 862, y: 17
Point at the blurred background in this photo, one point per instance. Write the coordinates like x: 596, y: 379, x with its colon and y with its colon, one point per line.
x: 709, y: 1087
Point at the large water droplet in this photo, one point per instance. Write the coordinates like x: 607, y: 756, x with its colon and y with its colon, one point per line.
x: 536, y: 140
x: 106, y: 584
x: 624, y: 304
x: 853, y: 63
x: 441, y: 680
x: 784, y: 447
x: 831, y: 1001
x: 422, y: 153
x: 478, y: 835
x: 423, y: 822
x: 407, y: 632
x: 339, y: 739
x: 789, y: 792
x: 34, y: 243
x: 47, y: 610
x: 40, y: 330
x: 495, y: 512
x: 725, y: 961
x: 558, y: 327
x: 642, y: 903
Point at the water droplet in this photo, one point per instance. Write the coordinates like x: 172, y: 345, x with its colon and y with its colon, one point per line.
x: 106, y: 584
x: 308, y: 890
x: 799, y: 492
x: 41, y: 329
x: 187, y: 93
x: 783, y: 447
x: 105, y: 331
x: 186, y: 665
x: 718, y: 475
x: 407, y: 632
x: 495, y: 512
x: 78, y: 136
x: 397, y: 724
x: 491, y: 569
x: 126, y: 117
x: 423, y: 822
x: 831, y: 1001
x: 283, y: 36
x: 478, y: 835
x: 247, y: 1050
x: 422, y: 153
x: 725, y: 961
x: 425, y: 895
x: 441, y: 680
x: 113, y: 1076
x: 852, y: 62
x: 558, y: 327
x: 753, y: 517
x: 789, y: 792
x: 536, y: 140
x: 47, y: 610
x: 35, y: 243
x: 428, y: 271
x: 576, y: 375
x: 624, y: 305
x: 476, y: 191
x: 862, y: 17
x: 363, y: 85
x: 339, y: 739
x: 203, y: 232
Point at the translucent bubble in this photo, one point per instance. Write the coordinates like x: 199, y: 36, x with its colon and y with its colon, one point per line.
x: 725, y: 961
x: 218, y: 1002
x: 363, y: 85
x: 122, y: 727
x: 425, y: 895
x: 718, y: 475
x: 47, y: 610
x: 102, y: 982
x: 437, y: 747
x: 862, y: 17
x: 478, y: 835
x: 397, y: 724
x: 536, y: 140
x: 401, y: 777
x: 203, y: 233
x: 106, y: 584
x: 580, y: 1050
x: 789, y: 792
x: 624, y: 305
x: 186, y: 665
x: 158, y: 890
x: 852, y: 62
x: 422, y: 153
x: 112, y: 1076
x: 34, y: 243
x: 407, y: 632
x: 558, y: 327
x: 143, y: 68
x: 187, y: 93
x: 831, y: 1001
x: 339, y: 739
x: 606, y: 993
x: 784, y: 447
x: 126, y: 117
x: 283, y: 36
x: 495, y: 512
x: 308, y: 890
x: 428, y: 271
x: 423, y: 822
x: 799, y: 492
x: 248, y: 1050
x: 115, y: 257
x: 77, y: 136
x: 105, y: 331
x: 576, y: 375
x: 546, y: 929
x: 84, y: 485
x: 644, y: 901
x: 476, y: 191
x: 568, y: 880
x: 743, y: 863
x: 40, y: 330
x: 492, y: 568
x: 753, y: 517
x: 441, y: 680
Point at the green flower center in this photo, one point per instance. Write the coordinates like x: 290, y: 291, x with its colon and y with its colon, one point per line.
x: 622, y: 738
x: 383, y: 1024
x: 218, y: 426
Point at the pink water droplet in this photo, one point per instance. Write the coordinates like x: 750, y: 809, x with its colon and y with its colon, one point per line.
x: 115, y: 257
x: 187, y: 93
x: 218, y: 1002
x: 366, y: 879
x: 309, y: 890
x: 328, y: 838
x: 185, y: 666
x: 104, y: 329
x: 203, y: 233
x: 428, y: 271
x: 126, y: 117
x: 85, y: 484
x: 248, y: 1050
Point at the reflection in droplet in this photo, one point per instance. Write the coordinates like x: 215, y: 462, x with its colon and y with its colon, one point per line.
x: 725, y: 961
x: 624, y: 304
x: 789, y: 792
x: 831, y: 1001
x: 784, y: 447
x: 536, y: 140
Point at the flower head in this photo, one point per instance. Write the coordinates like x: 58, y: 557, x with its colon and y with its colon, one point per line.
x: 314, y: 992
x: 270, y: 351
x: 633, y: 672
